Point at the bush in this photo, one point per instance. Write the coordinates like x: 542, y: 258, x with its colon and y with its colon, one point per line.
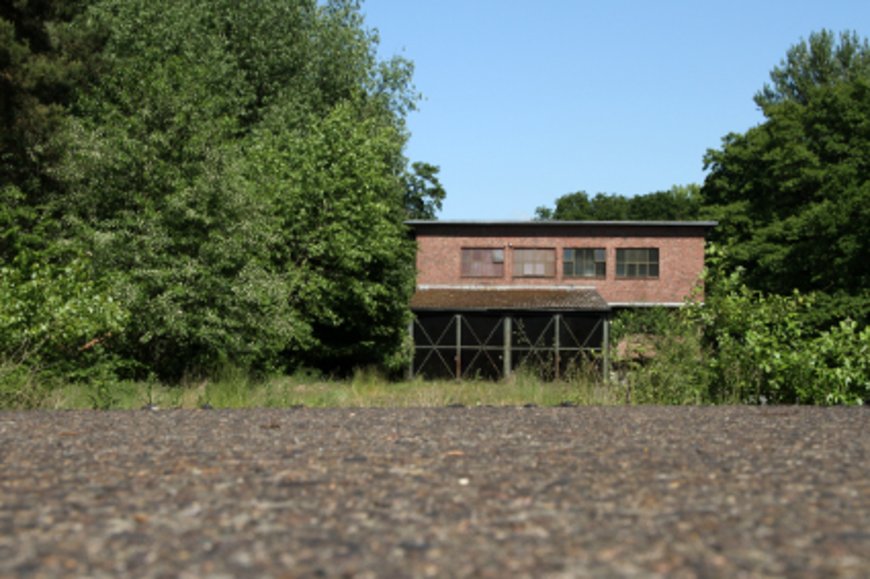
x: 838, y: 366
x: 661, y: 355
x: 742, y: 346
x: 55, y: 321
x: 766, y: 348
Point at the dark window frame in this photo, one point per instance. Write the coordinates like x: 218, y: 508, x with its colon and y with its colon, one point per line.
x: 630, y: 265
x: 599, y: 265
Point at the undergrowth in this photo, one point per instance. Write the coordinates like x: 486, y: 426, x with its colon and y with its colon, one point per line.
x: 366, y: 388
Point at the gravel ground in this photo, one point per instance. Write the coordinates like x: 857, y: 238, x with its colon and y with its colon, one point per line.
x: 449, y: 492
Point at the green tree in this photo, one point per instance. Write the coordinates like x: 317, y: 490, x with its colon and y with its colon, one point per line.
x: 680, y: 203
x: 579, y: 207
x: 58, y: 314
x: 41, y: 67
x: 792, y: 195
x: 424, y: 193
x: 340, y: 242
x: 238, y: 172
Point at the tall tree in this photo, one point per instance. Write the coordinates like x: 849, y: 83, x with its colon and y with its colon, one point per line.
x: 56, y: 309
x: 240, y: 165
x: 40, y: 70
x: 679, y: 203
x: 792, y: 195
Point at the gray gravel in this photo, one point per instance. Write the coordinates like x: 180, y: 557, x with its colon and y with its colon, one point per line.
x: 488, y: 492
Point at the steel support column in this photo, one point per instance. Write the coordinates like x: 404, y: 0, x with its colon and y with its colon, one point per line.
x: 605, y: 348
x: 458, y: 360
x: 410, y: 371
x: 557, y: 344
x: 506, y: 348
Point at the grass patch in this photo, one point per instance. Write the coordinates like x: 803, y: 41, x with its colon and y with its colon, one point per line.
x: 366, y: 388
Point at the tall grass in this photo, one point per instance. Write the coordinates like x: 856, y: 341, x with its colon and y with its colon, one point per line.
x: 366, y: 388
x: 20, y: 386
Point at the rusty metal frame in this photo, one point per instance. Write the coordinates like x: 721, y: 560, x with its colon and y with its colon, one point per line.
x: 482, y: 347
x: 469, y: 351
x: 433, y: 345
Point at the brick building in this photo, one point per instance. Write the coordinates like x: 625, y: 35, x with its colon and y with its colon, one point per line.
x: 492, y: 296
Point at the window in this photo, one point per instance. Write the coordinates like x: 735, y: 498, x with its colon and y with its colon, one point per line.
x: 637, y: 262
x: 584, y: 262
x: 483, y: 262
x: 534, y: 262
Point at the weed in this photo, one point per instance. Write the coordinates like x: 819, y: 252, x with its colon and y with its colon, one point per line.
x: 20, y: 387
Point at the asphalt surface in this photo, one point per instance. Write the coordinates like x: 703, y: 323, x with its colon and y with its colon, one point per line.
x: 450, y: 492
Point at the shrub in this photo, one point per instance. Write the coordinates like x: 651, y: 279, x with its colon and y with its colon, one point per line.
x: 56, y: 320
x: 660, y: 353
x: 742, y: 346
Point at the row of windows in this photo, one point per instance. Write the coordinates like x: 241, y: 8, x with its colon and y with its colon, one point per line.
x: 576, y: 262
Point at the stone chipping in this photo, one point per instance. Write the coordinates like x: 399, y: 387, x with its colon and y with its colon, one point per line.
x: 439, y: 492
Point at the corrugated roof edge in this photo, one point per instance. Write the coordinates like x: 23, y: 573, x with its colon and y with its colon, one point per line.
x: 554, y: 223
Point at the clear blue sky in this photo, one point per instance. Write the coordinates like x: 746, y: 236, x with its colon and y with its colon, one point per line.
x: 526, y: 100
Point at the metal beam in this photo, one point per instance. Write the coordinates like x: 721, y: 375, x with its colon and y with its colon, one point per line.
x: 410, y: 371
x: 507, y: 348
x: 557, y: 344
x: 605, y: 348
x: 458, y: 346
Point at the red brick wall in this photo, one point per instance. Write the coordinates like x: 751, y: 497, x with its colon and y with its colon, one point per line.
x: 681, y: 258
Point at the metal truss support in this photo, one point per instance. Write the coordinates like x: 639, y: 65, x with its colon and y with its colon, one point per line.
x: 552, y: 342
x: 506, y: 347
x: 605, y: 349
x: 458, y: 358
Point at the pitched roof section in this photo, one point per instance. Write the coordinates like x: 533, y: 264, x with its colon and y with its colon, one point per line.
x: 460, y: 298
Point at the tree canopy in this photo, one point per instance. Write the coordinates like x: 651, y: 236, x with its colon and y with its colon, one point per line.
x: 679, y: 203
x: 232, y: 172
x: 792, y: 195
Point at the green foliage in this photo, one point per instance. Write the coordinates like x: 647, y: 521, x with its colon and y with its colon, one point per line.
x: 742, y: 346
x: 821, y: 61
x: 230, y: 172
x: 839, y: 366
x: 680, y: 203
x: 56, y: 315
x: 660, y: 357
x: 33, y: 86
x: 342, y: 246
x: 423, y: 191
x: 753, y: 339
x: 58, y: 322
x: 20, y: 386
x: 765, y: 348
x: 238, y: 172
x: 792, y: 195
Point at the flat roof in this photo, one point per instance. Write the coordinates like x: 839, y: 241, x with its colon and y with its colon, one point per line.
x: 416, y: 223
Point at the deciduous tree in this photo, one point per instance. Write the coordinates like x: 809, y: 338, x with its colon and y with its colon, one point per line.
x: 236, y: 177
x: 792, y: 195
x: 680, y: 203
